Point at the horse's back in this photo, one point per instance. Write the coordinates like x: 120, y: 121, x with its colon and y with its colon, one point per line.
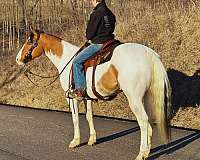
x: 130, y: 58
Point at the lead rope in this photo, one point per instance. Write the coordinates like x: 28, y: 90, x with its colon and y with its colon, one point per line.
x: 26, y: 74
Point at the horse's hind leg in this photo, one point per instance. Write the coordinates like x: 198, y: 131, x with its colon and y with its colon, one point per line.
x: 89, y: 116
x: 136, y: 104
x: 146, y: 131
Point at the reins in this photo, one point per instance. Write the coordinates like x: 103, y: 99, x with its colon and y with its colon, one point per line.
x: 28, y: 71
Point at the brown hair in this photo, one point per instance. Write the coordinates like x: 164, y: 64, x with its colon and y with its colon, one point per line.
x: 100, y: 0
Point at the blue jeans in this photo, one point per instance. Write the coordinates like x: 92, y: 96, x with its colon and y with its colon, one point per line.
x: 78, y: 68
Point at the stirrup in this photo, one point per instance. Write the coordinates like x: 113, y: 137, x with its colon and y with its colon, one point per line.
x: 75, y: 94
x: 68, y: 94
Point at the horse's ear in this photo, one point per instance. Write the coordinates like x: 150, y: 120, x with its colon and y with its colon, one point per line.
x: 31, y: 37
x: 34, y: 34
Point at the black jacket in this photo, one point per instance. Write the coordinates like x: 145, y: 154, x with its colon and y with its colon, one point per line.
x: 101, y: 24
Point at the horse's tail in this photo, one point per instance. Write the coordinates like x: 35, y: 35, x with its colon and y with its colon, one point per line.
x: 160, y: 94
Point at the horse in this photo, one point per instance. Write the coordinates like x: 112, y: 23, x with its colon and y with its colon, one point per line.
x: 134, y: 69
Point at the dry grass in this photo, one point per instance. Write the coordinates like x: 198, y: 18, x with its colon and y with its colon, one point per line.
x: 172, y: 29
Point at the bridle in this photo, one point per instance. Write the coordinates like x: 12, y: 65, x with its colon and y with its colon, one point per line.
x: 29, y: 57
x: 34, y: 43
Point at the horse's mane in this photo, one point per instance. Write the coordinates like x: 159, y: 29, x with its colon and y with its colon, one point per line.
x: 49, y: 34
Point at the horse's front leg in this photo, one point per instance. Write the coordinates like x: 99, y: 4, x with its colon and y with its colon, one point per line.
x: 89, y: 116
x: 74, y: 109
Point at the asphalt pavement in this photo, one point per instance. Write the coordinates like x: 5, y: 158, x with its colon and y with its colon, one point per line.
x: 31, y: 134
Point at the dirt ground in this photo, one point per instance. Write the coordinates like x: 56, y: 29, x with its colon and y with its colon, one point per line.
x: 171, y: 29
x: 15, y: 89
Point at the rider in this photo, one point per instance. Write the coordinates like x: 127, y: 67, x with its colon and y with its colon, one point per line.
x: 99, y: 30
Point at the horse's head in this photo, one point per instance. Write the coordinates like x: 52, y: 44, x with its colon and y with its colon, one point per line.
x: 31, y: 49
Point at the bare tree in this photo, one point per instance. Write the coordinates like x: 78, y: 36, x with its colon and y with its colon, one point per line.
x: 22, y: 4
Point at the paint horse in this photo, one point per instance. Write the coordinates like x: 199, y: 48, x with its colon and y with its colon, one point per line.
x: 134, y: 68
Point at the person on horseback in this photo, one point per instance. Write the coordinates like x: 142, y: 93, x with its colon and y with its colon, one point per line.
x: 99, y: 30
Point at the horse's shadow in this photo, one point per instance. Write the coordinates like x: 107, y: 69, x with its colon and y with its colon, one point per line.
x: 185, y: 89
x: 117, y: 135
x: 114, y: 136
x: 157, y: 151
x: 173, y: 146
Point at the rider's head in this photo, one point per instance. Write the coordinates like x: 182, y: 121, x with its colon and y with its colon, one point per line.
x: 96, y: 2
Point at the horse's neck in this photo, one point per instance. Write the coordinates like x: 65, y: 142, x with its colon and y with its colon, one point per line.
x: 68, y: 51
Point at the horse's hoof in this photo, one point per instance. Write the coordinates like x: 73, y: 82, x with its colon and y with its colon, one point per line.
x: 92, y: 140
x: 74, y: 143
x: 143, y: 155
x: 140, y: 158
x: 91, y: 143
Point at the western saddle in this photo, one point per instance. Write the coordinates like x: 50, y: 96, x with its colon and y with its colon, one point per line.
x: 102, y: 56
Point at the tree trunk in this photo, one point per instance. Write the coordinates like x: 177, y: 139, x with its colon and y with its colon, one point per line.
x: 22, y: 5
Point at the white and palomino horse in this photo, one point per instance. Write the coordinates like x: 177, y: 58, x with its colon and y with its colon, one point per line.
x: 135, y: 69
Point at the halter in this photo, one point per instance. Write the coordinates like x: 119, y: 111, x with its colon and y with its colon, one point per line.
x: 34, y: 43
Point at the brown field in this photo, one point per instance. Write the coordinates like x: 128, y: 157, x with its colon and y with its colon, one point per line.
x: 171, y: 28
